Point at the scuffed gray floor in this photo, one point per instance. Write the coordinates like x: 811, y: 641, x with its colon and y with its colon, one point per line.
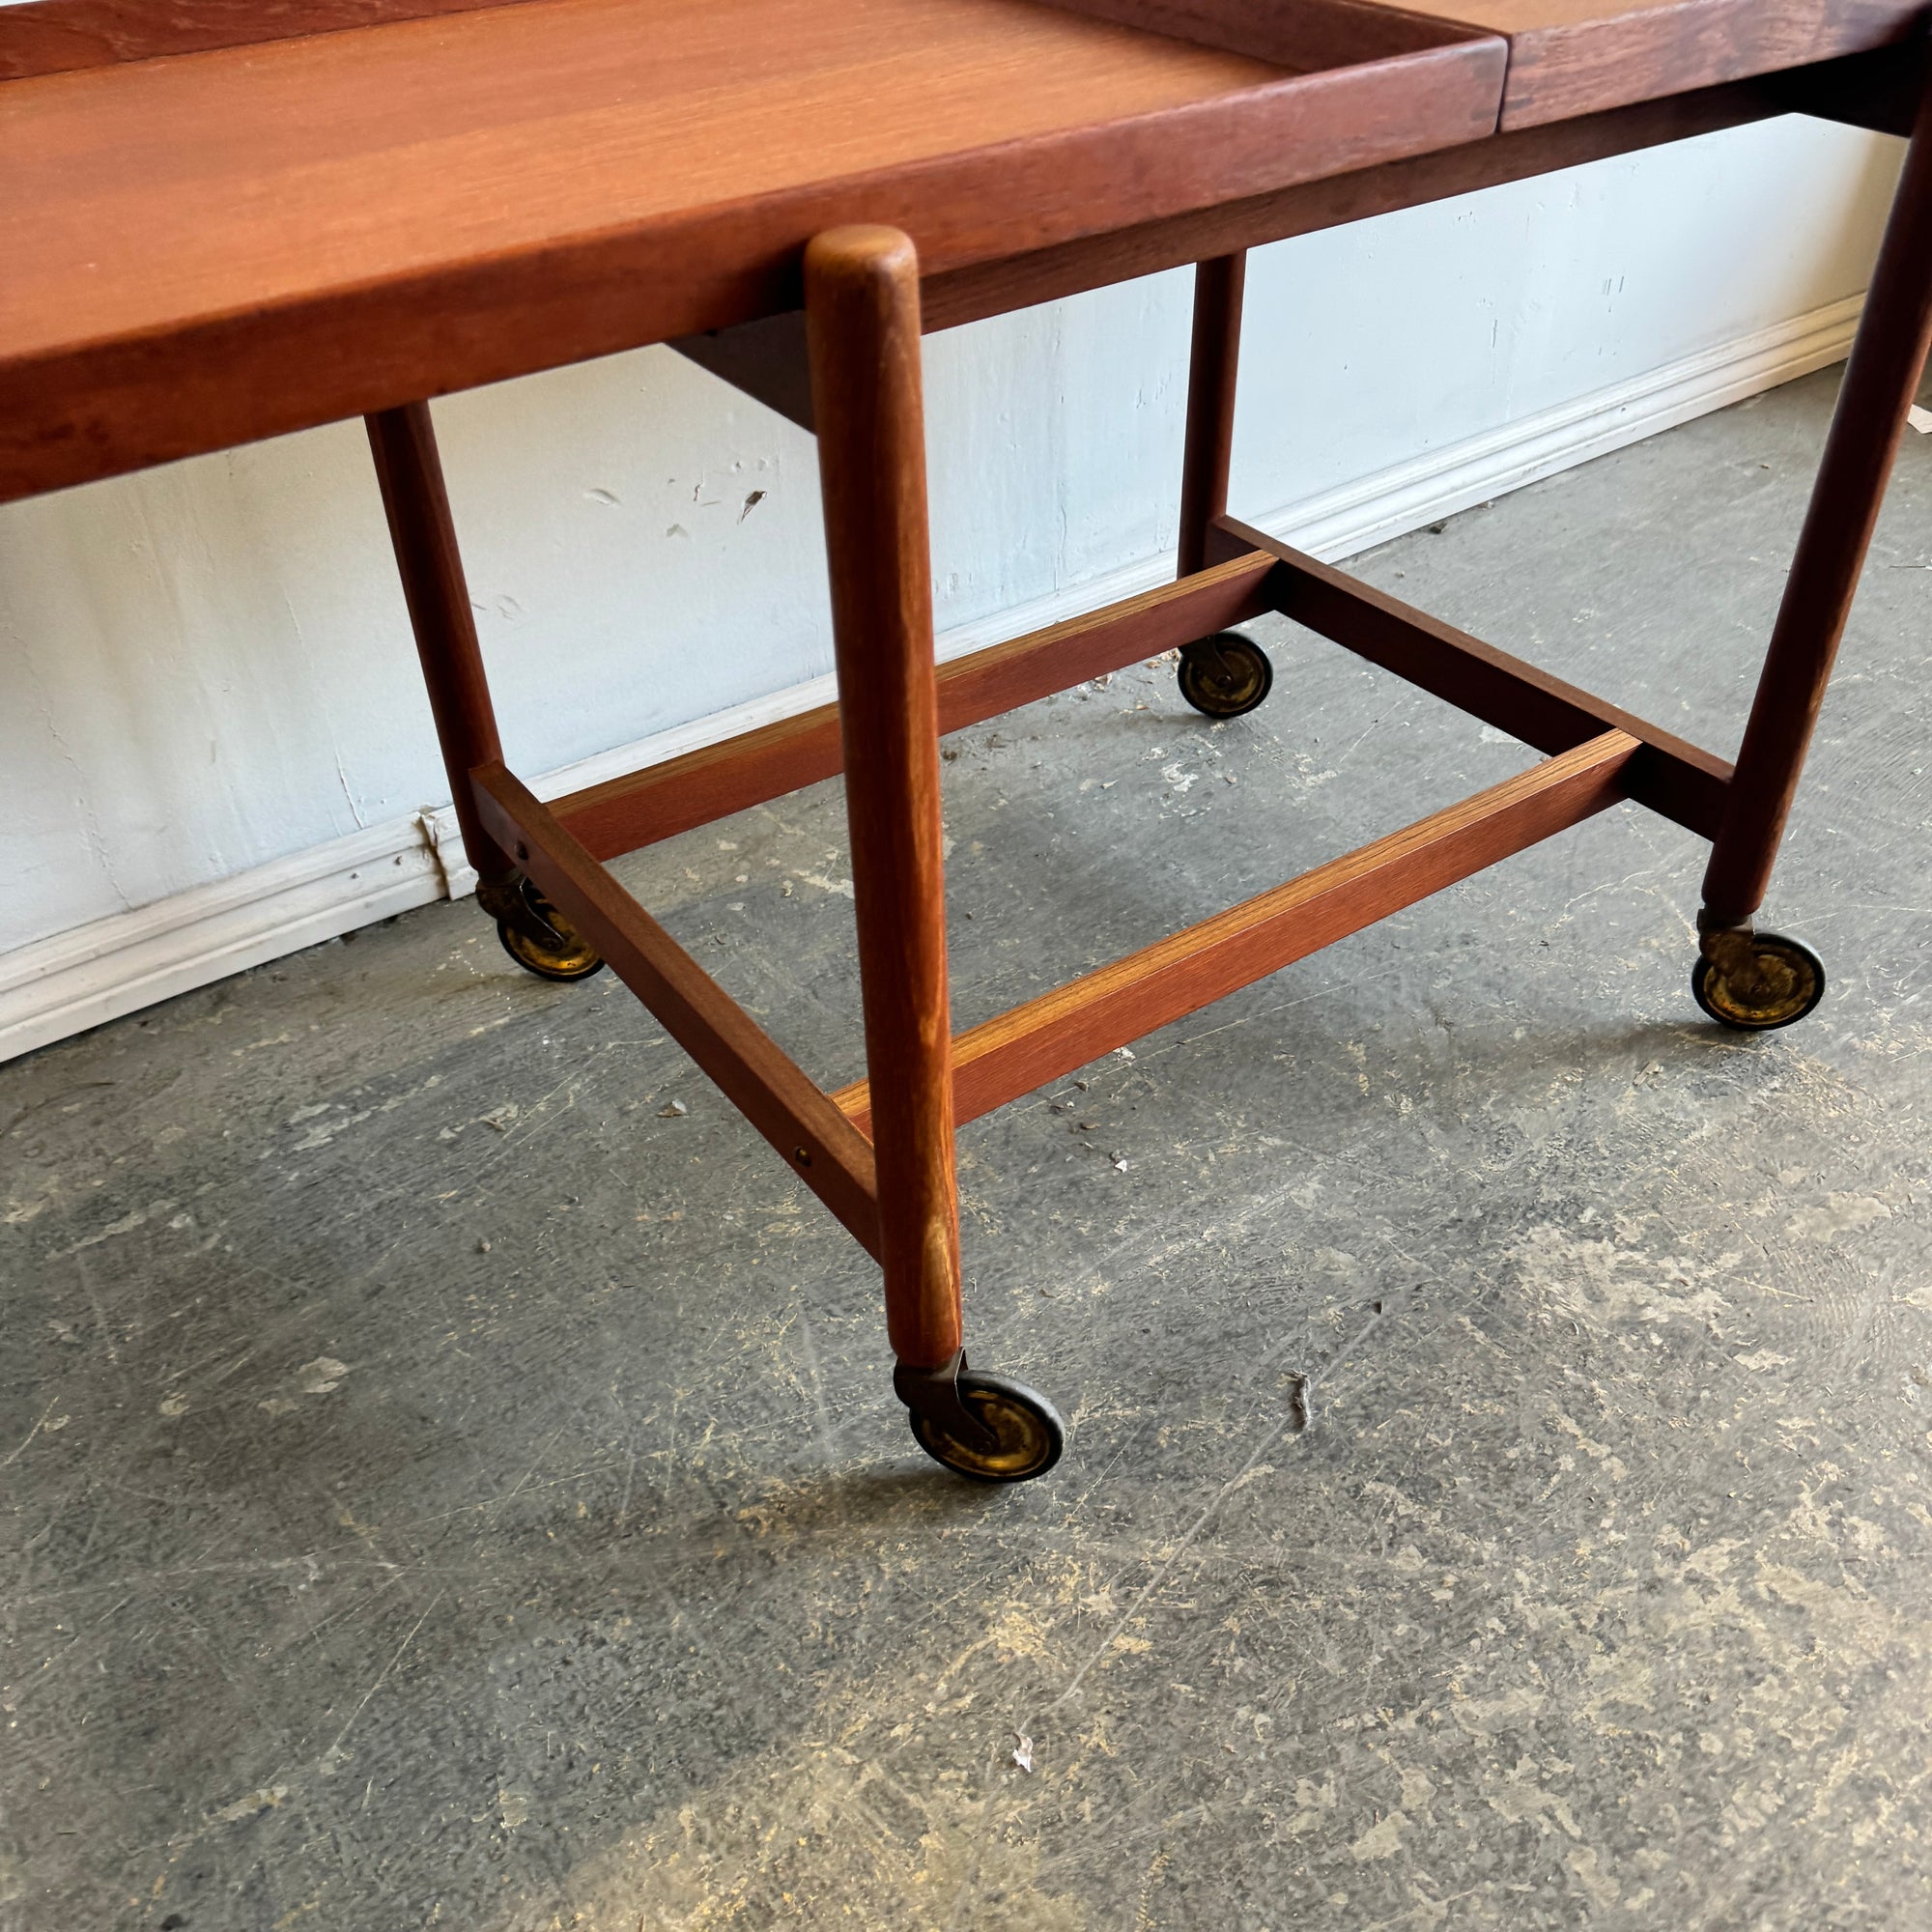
x: 444, y: 1485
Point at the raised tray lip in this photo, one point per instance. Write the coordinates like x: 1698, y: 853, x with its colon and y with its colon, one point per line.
x: 43, y: 37
x: 101, y: 402
x: 1267, y: 30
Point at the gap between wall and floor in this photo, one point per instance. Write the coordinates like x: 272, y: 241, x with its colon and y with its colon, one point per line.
x: 61, y: 985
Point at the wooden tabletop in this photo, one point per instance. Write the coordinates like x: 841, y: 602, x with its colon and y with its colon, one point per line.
x: 221, y: 245
x: 205, y: 247
x: 1571, y: 57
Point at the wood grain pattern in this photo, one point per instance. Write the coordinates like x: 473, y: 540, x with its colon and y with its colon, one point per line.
x: 621, y: 814
x: 1669, y: 774
x: 956, y: 296
x: 1300, y: 34
x: 752, y: 1073
x: 209, y: 249
x: 242, y: 177
x: 1571, y: 57
x: 58, y: 36
x: 862, y: 320
x: 1879, y: 90
x: 1062, y: 1031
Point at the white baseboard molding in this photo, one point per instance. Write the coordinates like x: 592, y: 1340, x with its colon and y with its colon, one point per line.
x: 1345, y: 522
x: 116, y: 965
x: 63, y: 986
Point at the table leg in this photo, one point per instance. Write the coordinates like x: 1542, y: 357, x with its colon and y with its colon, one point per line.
x: 1757, y: 980
x: 863, y: 322
x: 862, y: 297
x: 1212, y: 369
x: 1227, y: 674
x: 409, y: 471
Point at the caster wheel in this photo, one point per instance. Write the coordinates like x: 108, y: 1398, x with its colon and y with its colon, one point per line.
x: 1027, y: 1430
x: 565, y: 955
x: 1226, y: 676
x: 1786, y: 981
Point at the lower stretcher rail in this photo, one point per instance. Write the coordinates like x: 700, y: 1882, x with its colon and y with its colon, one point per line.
x: 1677, y: 779
x: 825, y: 1139
x: 1064, y: 1029
x: 624, y: 813
x: 759, y: 1079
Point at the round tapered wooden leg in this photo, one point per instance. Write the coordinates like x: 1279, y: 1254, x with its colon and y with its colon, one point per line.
x: 1887, y: 363
x: 862, y: 318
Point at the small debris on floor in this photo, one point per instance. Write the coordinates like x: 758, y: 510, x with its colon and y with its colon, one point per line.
x: 1023, y: 1751
x: 671, y: 1112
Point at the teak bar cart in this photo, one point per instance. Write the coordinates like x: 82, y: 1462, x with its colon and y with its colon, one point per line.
x: 224, y: 221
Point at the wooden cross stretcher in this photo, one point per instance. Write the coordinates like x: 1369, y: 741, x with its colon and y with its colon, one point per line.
x: 225, y: 222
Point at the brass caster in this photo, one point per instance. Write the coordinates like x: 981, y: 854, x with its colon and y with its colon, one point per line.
x: 1226, y: 676
x: 535, y: 934
x: 986, y: 1428
x: 1756, y: 981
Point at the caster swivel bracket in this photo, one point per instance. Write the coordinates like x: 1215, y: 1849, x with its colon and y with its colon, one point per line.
x: 933, y: 1394
x: 534, y: 934
x: 507, y: 902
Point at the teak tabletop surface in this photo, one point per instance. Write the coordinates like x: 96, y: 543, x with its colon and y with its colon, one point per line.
x: 208, y: 248
x: 214, y: 247
x: 1571, y: 57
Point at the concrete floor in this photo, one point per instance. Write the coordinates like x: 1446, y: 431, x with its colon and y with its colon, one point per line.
x: 446, y: 1484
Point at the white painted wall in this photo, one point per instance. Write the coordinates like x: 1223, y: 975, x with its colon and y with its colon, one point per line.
x: 213, y: 735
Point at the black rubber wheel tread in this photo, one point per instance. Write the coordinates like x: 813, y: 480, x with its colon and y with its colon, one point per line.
x: 1226, y: 676
x: 578, y: 962
x: 1031, y: 1433
x: 1795, y: 977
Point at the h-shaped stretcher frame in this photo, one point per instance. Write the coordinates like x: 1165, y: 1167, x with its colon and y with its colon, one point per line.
x: 880, y: 1154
